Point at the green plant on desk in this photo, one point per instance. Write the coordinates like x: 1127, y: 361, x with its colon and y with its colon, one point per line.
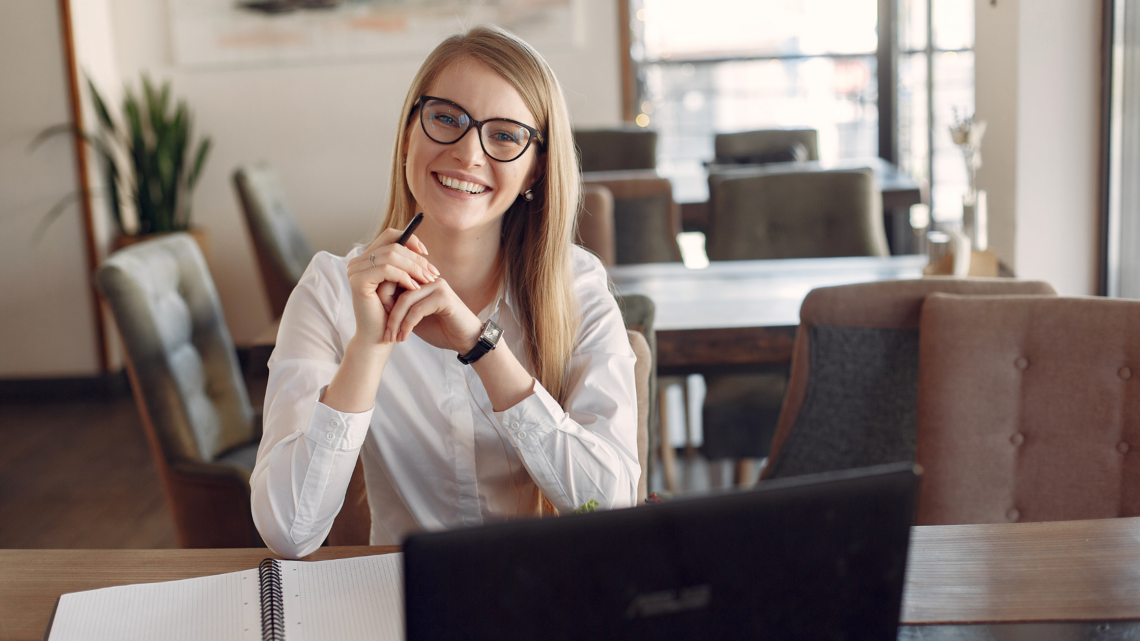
x: 148, y: 171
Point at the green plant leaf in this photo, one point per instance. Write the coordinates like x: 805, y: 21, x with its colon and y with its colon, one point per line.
x: 55, y: 212
x: 101, y: 107
x: 199, y: 159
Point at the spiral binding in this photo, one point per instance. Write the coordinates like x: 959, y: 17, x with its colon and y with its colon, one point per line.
x: 272, y: 601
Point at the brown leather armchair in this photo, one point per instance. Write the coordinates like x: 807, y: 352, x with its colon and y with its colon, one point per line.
x: 646, y: 219
x: 596, y: 223
x: 784, y: 212
x: 851, y: 399
x: 616, y: 149
x: 1028, y: 409
x: 766, y: 145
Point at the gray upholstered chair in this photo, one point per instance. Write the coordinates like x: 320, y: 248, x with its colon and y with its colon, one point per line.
x: 1027, y: 409
x: 851, y: 399
x: 282, y: 251
x: 616, y: 149
x: 779, y: 212
x: 638, y: 313
x: 767, y: 213
x: 767, y: 145
x: 642, y: 371
x: 596, y: 223
x: 646, y: 220
x: 184, y: 372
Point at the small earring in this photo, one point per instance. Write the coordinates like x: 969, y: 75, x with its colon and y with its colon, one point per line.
x: 528, y: 196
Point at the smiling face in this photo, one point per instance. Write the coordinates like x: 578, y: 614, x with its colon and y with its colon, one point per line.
x: 457, y: 186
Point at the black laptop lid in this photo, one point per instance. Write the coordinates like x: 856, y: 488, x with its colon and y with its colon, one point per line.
x: 819, y: 557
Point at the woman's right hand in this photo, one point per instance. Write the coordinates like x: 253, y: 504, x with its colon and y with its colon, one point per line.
x: 374, y: 289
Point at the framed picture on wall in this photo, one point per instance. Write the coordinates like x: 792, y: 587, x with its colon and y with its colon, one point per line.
x: 252, y: 32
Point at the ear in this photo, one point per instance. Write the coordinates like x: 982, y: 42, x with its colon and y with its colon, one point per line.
x: 539, y: 170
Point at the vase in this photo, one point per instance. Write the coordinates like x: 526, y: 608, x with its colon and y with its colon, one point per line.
x: 975, y: 219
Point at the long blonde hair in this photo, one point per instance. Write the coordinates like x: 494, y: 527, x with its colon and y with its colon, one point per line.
x: 536, y: 235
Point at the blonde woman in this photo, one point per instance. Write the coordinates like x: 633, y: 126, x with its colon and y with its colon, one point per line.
x: 487, y: 379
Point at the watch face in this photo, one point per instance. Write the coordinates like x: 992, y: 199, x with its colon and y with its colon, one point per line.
x: 491, y: 332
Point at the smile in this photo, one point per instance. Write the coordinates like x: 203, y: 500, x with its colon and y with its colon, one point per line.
x: 460, y: 185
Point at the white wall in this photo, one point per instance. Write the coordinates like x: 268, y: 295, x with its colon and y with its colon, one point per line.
x: 328, y: 129
x: 1038, y: 87
x: 46, y: 322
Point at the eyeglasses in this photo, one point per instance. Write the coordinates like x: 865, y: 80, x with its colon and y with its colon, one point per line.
x: 503, y: 140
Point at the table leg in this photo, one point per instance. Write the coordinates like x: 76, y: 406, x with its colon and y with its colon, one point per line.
x: 668, y: 454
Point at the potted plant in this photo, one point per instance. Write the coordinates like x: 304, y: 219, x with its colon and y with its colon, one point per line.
x: 145, y: 158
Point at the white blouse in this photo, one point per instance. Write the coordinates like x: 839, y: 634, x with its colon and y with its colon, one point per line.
x: 435, y: 454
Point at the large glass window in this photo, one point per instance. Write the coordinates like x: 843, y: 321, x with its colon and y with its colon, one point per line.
x: 733, y: 65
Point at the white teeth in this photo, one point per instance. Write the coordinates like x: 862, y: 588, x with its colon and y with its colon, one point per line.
x: 460, y: 185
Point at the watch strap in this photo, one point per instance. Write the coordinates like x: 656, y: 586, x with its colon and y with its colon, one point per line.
x: 482, y: 346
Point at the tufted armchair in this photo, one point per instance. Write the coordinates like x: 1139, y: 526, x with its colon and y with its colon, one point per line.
x: 1028, y: 409
x: 852, y: 394
x: 202, y: 430
x: 783, y: 212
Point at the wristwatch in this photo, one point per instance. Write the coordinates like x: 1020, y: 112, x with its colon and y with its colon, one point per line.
x: 488, y: 339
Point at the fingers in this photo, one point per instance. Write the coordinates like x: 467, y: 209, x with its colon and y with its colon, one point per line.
x: 417, y: 246
x: 387, y: 292
x: 376, y: 277
x: 410, y: 308
x: 401, y: 257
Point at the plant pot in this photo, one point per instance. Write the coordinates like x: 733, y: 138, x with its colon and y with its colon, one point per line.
x: 124, y: 240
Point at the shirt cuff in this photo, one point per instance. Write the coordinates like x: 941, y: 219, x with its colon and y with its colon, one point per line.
x: 531, y: 418
x: 337, y: 430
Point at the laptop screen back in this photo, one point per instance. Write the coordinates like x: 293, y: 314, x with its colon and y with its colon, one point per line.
x: 820, y: 557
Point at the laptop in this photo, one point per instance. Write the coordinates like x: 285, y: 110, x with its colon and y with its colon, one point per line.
x: 813, y: 557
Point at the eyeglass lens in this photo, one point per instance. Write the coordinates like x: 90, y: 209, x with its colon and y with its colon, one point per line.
x: 445, y: 123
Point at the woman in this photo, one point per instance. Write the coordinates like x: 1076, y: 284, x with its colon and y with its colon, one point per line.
x: 366, y: 358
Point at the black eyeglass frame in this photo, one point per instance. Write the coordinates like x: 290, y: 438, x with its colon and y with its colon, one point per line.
x: 535, y: 134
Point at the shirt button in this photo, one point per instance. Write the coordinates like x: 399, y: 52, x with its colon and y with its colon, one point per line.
x: 330, y: 436
x: 334, y: 423
x: 514, y: 426
x: 522, y: 434
x: 1017, y: 439
x: 1122, y: 447
x: 1021, y: 363
x: 1013, y: 514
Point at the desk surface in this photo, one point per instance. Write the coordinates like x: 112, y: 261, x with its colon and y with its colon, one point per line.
x: 749, y: 293
x: 1064, y: 571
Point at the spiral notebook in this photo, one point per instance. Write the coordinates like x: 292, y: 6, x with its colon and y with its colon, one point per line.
x: 347, y: 599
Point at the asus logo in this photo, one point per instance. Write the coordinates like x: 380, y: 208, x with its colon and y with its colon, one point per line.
x: 654, y: 604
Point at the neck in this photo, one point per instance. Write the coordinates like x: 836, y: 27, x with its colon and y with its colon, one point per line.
x: 468, y: 260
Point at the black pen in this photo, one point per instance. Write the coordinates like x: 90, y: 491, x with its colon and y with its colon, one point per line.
x: 410, y: 229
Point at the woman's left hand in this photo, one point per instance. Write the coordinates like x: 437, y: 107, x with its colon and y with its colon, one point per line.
x: 437, y: 315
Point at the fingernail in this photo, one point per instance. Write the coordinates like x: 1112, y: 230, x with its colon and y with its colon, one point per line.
x: 415, y: 285
x: 433, y: 269
x: 387, y: 336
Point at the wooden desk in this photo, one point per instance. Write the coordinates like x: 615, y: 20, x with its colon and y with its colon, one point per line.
x: 31, y: 580
x: 741, y: 315
x: 1075, y: 571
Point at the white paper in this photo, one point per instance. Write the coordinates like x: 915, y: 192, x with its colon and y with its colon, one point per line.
x: 209, y: 607
x: 347, y: 599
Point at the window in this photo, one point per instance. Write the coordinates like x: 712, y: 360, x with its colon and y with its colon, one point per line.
x: 732, y: 65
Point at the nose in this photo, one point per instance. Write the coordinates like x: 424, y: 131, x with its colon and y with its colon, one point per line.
x: 468, y: 150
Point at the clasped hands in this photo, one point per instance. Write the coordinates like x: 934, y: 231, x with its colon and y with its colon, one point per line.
x: 405, y: 293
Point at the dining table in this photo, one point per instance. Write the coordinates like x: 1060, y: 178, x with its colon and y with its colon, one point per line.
x: 1052, y: 581
x: 741, y: 315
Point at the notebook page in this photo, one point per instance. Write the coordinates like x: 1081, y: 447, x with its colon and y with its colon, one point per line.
x: 215, y: 607
x: 359, y: 599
